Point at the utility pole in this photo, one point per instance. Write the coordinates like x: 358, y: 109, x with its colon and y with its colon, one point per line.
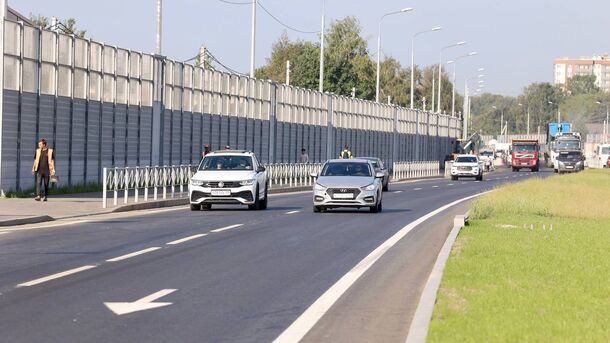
x: 253, y: 40
x: 528, y: 121
x: 321, y: 86
x: 288, y: 73
x: 2, y: 16
x: 159, y: 26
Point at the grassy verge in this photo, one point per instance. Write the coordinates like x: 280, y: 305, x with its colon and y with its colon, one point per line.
x: 53, y: 190
x: 533, y: 265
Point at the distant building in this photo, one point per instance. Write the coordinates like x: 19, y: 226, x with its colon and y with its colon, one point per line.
x: 599, y: 66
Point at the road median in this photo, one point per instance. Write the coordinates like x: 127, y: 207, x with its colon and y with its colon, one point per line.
x: 532, y: 265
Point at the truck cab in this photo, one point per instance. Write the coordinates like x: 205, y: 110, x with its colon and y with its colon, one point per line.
x: 525, y: 154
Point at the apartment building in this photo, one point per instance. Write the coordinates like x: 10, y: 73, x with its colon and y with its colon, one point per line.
x: 599, y: 66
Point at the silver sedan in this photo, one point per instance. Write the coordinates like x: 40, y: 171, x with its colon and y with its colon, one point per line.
x: 348, y: 183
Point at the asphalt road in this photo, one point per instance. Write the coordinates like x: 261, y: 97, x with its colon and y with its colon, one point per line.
x: 229, y: 275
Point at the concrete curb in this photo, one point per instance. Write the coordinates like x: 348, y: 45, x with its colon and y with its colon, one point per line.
x: 418, y: 331
x: 24, y: 221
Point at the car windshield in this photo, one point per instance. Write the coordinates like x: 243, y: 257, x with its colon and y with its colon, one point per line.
x: 569, y: 156
x: 466, y: 159
x: 567, y: 145
x: 226, y: 162
x: 487, y: 153
x: 521, y: 148
x: 605, y: 150
x: 346, y: 169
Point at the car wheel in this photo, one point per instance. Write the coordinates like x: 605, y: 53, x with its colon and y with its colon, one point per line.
x: 386, y: 187
x: 257, y: 202
x: 556, y: 171
x: 317, y: 209
x: 195, y: 207
x: 454, y: 178
x: 206, y: 207
x: 264, y: 202
x: 515, y: 169
x: 374, y: 209
x: 480, y: 177
x: 380, y: 206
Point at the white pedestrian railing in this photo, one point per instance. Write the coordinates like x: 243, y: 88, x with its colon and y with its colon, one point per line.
x: 413, y: 170
x: 153, y: 183
x: 145, y: 179
x: 292, y: 174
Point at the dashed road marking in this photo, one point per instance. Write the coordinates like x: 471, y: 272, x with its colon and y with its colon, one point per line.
x: 227, y: 228
x: 133, y: 254
x: 397, y: 192
x: 434, y: 186
x: 450, y: 184
x: 417, y: 189
x: 292, y: 212
x: 55, y: 276
x: 2, y: 233
x: 186, y: 239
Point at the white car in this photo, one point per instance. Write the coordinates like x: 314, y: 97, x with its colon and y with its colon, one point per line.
x: 467, y: 166
x: 229, y: 177
x: 348, y: 183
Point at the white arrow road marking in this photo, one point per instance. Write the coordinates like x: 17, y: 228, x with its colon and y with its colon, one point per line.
x: 133, y: 254
x: 226, y: 228
x: 55, y: 276
x: 185, y: 239
x: 142, y: 304
x: 292, y: 212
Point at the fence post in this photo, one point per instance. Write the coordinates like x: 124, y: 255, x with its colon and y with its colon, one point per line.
x: 137, y: 183
x: 105, y: 185
x: 126, y: 180
x: 116, y: 185
x: 146, y: 182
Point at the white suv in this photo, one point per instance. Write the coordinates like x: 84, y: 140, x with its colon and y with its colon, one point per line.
x: 467, y: 166
x: 229, y: 177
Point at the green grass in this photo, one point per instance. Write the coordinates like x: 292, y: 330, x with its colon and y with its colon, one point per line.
x: 79, y: 188
x: 511, y: 278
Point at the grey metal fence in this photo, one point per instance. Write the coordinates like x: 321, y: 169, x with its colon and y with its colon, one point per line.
x: 103, y: 106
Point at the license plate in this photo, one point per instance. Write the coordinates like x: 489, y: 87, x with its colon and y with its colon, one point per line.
x: 569, y: 167
x: 524, y: 163
x: 224, y: 192
x: 344, y: 196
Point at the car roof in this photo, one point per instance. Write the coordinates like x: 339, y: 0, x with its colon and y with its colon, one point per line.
x: 339, y: 160
x: 368, y: 158
x: 466, y: 155
x: 231, y: 152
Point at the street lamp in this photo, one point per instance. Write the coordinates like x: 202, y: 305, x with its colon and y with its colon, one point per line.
x: 253, y: 38
x: 438, y: 28
x: 605, y: 123
x: 321, y: 86
x: 466, y: 109
x: 528, y: 118
x: 404, y: 10
x: 440, y: 69
x: 473, y: 53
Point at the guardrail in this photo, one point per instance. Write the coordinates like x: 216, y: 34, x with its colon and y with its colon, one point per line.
x: 410, y: 170
x: 145, y: 179
x: 152, y: 183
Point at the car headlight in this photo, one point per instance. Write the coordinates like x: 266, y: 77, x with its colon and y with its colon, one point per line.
x: 370, y: 187
x: 247, y: 182
x: 197, y: 182
x: 319, y: 187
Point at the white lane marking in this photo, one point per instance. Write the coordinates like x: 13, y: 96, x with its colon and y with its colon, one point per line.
x: 477, y: 181
x: 186, y: 239
x: 292, y: 212
x: 506, y: 177
x: 434, y: 186
x: 46, y: 226
x: 299, y: 328
x: 142, y: 304
x: 417, y: 189
x: 133, y: 254
x: 450, y: 184
x: 463, y: 183
x: 397, y: 192
x: 55, y: 276
x: 226, y: 228
x: 2, y: 233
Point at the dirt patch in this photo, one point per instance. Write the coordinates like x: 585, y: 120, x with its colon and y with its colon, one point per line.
x: 455, y: 302
x: 458, y: 246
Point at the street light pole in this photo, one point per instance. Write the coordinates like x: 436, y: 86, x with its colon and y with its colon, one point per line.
x: 321, y: 86
x: 438, y: 28
x: 473, y: 53
x: 159, y: 26
x: 408, y: 9
x: 606, y: 123
x: 253, y: 39
x: 440, y: 70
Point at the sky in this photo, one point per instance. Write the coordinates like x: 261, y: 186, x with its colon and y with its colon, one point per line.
x: 517, y: 40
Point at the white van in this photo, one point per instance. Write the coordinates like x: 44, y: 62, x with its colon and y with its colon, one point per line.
x: 600, y: 156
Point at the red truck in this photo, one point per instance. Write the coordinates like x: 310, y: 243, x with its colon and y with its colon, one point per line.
x: 525, y: 154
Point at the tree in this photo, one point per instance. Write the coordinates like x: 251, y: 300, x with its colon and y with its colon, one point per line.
x: 582, y: 84
x: 67, y: 26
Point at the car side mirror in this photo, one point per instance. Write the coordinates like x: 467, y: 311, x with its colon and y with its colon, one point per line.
x: 260, y: 169
x: 379, y: 175
x: 314, y: 175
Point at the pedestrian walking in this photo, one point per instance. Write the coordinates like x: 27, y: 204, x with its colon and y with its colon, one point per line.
x: 206, y: 150
x: 304, y: 158
x: 43, y: 168
x: 345, y: 153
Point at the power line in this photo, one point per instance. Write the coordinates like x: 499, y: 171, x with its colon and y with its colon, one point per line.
x: 282, y: 23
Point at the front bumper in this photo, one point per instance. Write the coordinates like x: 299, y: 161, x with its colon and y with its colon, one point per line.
x: 240, y: 195
x: 328, y: 198
x: 569, y: 168
x: 471, y: 173
x: 525, y: 163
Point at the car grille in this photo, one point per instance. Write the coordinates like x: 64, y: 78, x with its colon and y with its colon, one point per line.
x: 225, y: 184
x: 333, y: 191
x: 465, y: 168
